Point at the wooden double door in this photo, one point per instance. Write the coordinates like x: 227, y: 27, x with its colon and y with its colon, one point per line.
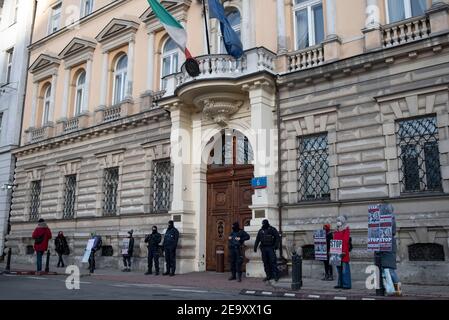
x: 229, y: 195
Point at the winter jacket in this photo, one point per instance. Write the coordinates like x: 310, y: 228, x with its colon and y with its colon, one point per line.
x: 171, y: 238
x: 43, y: 232
x: 329, y: 237
x: 153, y: 240
x: 344, y: 236
x: 388, y: 259
x: 61, y: 245
x: 267, y: 238
x: 233, y: 242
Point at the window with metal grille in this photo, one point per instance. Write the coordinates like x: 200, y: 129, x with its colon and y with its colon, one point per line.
x: 313, y: 168
x: 35, y: 200
x: 161, y: 181
x: 110, y: 187
x: 69, y: 197
x: 419, y: 157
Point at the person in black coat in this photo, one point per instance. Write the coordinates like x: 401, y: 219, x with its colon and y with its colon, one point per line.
x: 61, y: 248
x: 269, y: 239
x: 153, y: 241
x: 128, y: 255
x: 236, y: 254
x: 328, y: 272
x: 171, y: 238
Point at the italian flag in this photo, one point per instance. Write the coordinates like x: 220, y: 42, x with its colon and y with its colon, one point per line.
x: 173, y: 27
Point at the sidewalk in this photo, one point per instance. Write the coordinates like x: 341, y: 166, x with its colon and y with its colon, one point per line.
x: 311, y: 288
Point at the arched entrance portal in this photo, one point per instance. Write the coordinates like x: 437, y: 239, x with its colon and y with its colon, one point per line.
x: 229, y: 192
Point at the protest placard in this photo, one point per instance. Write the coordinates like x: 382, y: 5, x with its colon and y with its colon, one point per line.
x: 319, y: 238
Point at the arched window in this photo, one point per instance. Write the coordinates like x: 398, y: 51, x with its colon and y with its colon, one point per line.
x: 170, y: 59
x: 231, y: 148
x: 235, y: 20
x: 120, y: 79
x: 79, y: 93
x: 46, y: 111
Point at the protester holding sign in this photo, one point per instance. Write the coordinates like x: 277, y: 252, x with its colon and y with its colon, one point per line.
x: 343, y: 234
x: 328, y: 273
x: 385, y: 253
x: 127, y: 251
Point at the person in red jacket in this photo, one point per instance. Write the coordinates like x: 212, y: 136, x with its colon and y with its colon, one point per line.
x: 344, y: 272
x: 41, y: 236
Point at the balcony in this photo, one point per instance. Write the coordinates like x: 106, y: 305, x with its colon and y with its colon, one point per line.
x: 306, y: 58
x: 221, y: 66
x: 39, y: 134
x: 405, y: 31
x: 71, y: 125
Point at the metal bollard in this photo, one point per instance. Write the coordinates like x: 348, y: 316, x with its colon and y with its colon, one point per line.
x: 47, y: 263
x: 296, y: 271
x: 8, y: 261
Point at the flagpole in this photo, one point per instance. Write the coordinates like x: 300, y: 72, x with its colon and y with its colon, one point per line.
x: 207, y: 29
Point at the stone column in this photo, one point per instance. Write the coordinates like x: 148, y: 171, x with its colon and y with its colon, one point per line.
x: 34, y: 99
x: 372, y: 14
x: 263, y: 139
x: 150, y: 67
x: 245, y: 27
x: 372, y: 32
x: 54, y: 79
x: 331, y: 10
x: 180, y: 139
x: 104, y: 80
x: 332, y: 42
x: 130, y: 70
x: 65, y: 97
x: 281, y: 33
x: 85, y: 106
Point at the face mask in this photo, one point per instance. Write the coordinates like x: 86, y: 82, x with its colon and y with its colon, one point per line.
x: 339, y: 224
x: 154, y: 230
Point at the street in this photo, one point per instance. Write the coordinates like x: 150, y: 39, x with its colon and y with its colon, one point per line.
x: 23, y: 287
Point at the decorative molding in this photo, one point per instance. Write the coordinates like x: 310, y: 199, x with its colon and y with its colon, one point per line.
x: 219, y: 107
x: 45, y: 64
x: 177, y: 8
x: 77, y: 46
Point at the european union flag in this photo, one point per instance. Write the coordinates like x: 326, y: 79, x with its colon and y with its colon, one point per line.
x: 231, y: 39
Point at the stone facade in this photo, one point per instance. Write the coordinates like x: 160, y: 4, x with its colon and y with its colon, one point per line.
x: 15, y: 32
x: 354, y: 88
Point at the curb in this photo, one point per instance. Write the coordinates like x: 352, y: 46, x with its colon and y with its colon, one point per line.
x: 305, y: 296
x: 28, y: 273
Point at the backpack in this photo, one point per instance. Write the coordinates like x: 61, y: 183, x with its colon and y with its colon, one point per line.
x: 39, y: 239
x: 350, y: 244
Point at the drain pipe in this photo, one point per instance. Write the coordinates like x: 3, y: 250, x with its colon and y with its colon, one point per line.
x: 278, y: 121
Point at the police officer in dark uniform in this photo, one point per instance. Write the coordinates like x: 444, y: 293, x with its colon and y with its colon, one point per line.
x: 269, y: 240
x: 170, y: 243
x: 236, y: 254
x: 153, y: 241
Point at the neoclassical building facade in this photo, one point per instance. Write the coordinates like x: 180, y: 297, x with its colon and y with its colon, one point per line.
x: 340, y: 106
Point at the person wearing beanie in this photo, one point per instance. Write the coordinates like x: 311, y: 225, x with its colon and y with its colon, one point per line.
x: 343, y: 233
x: 171, y: 238
x: 153, y: 241
x: 269, y: 239
x: 128, y: 252
x: 328, y: 273
x: 236, y: 253
x: 41, y: 235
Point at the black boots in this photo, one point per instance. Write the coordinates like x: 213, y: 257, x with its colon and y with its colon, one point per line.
x: 148, y: 272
